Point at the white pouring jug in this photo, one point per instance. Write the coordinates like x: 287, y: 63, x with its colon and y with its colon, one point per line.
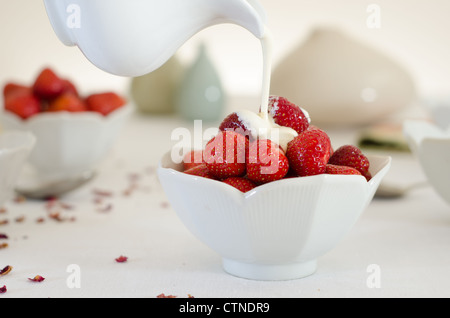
x: 135, y: 37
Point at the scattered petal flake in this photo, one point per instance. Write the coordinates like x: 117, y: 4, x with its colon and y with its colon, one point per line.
x: 165, y: 296
x: 121, y: 259
x: 106, y: 208
x: 40, y: 220
x: 3, y: 289
x: 102, y: 193
x: 165, y: 205
x: 37, y: 278
x: 20, y: 199
x: 56, y: 216
x: 3, y: 245
x: 5, y: 270
x: 66, y: 206
x: 3, y: 236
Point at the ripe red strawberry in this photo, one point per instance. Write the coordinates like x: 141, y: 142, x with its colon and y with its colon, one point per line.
x: 48, y: 85
x: 240, y: 183
x: 200, y: 171
x: 309, y: 152
x: 105, y: 103
x: 192, y: 159
x: 67, y: 102
x: 70, y: 87
x: 13, y: 89
x: 351, y: 156
x: 225, y: 154
x: 287, y: 114
x: 333, y: 169
x: 266, y: 162
x: 23, y: 105
x: 233, y: 122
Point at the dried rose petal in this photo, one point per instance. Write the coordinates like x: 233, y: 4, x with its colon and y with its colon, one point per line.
x: 50, y: 204
x: 165, y: 296
x: 37, y: 278
x: 55, y: 216
x: 40, y: 220
x: 121, y: 259
x: 106, y: 208
x: 127, y: 192
x: 66, y: 206
x: 3, y: 289
x: 3, y: 236
x: 3, y: 245
x: 20, y: 199
x: 5, y: 270
x: 165, y: 205
x: 102, y: 193
x: 134, y: 176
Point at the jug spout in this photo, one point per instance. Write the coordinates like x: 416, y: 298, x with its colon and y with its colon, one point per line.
x: 135, y: 37
x: 247, y: 13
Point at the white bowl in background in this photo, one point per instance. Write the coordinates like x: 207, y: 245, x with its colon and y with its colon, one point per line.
x: 68, y: 144
x: 439, y: 109
x: 276, y: 231
x: 431, y: 146
x: 15, y: 148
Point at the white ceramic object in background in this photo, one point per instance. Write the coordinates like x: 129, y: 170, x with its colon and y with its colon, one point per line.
x: 276, y: 231
x: 15, y: 147
x: 342, y: 81
x: 68, y: 144
x: 431, y: 146
x: 439, y: 109
x: 133, y: 38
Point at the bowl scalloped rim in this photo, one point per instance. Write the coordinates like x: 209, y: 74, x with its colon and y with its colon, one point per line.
x: 64, y: 115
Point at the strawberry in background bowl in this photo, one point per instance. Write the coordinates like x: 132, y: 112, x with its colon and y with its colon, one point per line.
x: 270, y: 210
x: 73, y: 132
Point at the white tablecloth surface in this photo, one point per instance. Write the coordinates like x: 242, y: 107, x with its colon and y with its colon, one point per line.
x: 407, y: 239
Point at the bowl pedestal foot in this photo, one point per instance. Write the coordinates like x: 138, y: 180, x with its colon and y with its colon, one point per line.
x: 268, y: 272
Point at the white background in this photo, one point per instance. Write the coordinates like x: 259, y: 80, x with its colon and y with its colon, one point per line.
x: 412, y: 32
x: 408, y: 237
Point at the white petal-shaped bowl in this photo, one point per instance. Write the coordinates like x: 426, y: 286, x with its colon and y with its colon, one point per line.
x: 68, y: 143
x: 276, y: 231
x: 439, y: 109
x: 15, y: 148
x: 431, y: 146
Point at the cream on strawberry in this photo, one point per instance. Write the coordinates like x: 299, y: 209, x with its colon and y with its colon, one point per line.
x: 274, y: 102
x: 287, y: 114
x: 257, y: 127
x: 278, y: 120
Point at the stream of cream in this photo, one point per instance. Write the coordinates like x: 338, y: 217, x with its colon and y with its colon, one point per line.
x: 260, y: 124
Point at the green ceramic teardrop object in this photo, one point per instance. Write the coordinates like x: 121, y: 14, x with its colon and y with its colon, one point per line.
x: 155, y: 92
x: 201, y: 95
